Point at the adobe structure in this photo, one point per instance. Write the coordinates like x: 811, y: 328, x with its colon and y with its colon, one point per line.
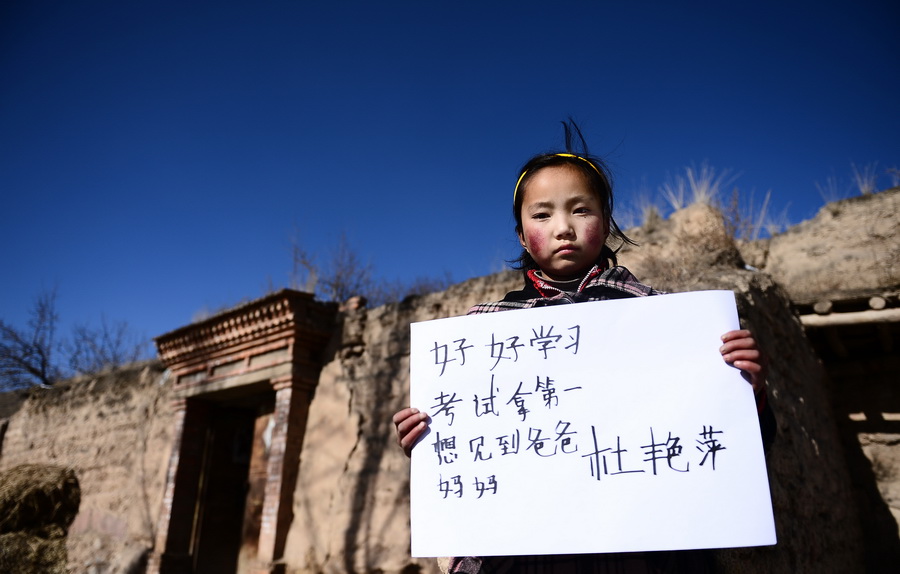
x: 242, y: 385
x: 261, y: 440
x: 842, y: 273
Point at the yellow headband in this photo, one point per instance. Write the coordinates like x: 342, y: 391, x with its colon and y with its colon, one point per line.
x: 590, y: 163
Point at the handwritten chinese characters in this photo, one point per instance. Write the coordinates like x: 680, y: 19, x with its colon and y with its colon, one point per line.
x: 611, y: 418
x: 543, y: 341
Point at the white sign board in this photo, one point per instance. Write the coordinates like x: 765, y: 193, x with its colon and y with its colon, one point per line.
x: 609, y: 426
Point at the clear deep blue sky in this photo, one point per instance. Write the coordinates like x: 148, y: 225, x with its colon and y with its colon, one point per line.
x: 156, y: 157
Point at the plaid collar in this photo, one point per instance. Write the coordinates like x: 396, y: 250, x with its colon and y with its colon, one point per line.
x: 549, y: 290
x: 598, y: 285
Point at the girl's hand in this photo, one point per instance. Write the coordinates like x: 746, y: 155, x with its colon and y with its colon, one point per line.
x: 410, y: 424
x: 741, y: 351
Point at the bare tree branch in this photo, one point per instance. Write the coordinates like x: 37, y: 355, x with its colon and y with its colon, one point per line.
x: 110, y: 346
x: 305, y: 272
x: 344, y: 275
x: 26, y: 358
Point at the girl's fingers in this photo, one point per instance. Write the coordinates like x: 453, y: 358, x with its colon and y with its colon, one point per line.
x: 408, y: 440
x: 740, y: 350
x: 410, y: 424
x: 406, y: 419
x: 737, y: 343
x: 404, y: 414
x: 738, y: 334
x: 743, y: 355
x: 751, y: 367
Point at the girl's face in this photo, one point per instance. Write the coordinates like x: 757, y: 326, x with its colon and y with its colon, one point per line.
x: 563, y: 226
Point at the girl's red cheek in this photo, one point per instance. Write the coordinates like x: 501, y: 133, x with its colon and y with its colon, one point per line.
x: 594, y: 236
x: 535, y: 242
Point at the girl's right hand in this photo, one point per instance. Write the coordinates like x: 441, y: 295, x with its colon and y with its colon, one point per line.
x: 410, y: 424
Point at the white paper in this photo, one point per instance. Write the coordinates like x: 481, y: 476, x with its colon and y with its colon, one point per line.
x: 603, y: 377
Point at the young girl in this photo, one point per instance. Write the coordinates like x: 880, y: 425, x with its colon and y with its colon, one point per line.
x: 563, y: 208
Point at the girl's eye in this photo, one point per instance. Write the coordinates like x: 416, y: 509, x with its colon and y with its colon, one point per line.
x: 540, y: 216
x: 580, y: 210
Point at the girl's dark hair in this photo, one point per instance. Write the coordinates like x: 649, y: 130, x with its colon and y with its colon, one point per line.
x: 599, y: 179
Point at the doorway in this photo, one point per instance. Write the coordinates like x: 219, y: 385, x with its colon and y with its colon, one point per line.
x: 228, y: 513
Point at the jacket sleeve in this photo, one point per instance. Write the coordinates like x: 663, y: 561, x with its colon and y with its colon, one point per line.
x: 768, y: 426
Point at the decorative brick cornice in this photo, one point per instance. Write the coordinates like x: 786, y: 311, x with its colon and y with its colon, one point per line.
x: 287, y: 314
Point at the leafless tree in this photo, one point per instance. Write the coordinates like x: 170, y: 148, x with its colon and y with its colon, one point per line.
x: 393, y: 291
x: 27, y: 356
x: 340, y: 277
x: 343, y: 274
x: 110, y: 346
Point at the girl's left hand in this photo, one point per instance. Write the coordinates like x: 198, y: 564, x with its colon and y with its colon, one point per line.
x: 741, y: 351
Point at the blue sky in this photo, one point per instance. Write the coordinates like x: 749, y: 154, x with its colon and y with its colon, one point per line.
x: 157, y: 157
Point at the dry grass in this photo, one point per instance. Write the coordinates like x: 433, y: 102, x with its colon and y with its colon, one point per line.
x: 866, y: 179
x: 779, y: 222
x: 707, y: 183
x: 894, y: 174
x: 650, y: 213
x: 831, y: 190
x: 37, y: 505
x: 701, y: 185
x: 674, y: 192
x: 38, y: 498
x: 744, y: 218
x: 22, y: 553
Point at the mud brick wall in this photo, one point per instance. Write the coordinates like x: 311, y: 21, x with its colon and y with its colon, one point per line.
x: 114, y: 431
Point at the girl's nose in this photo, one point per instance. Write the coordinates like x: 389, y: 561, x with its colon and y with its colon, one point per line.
x: 564, y: 228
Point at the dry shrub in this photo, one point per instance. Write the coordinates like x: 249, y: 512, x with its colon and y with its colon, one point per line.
x: 22, y: 553
x: 37, y: 505
x: 38, y: 498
